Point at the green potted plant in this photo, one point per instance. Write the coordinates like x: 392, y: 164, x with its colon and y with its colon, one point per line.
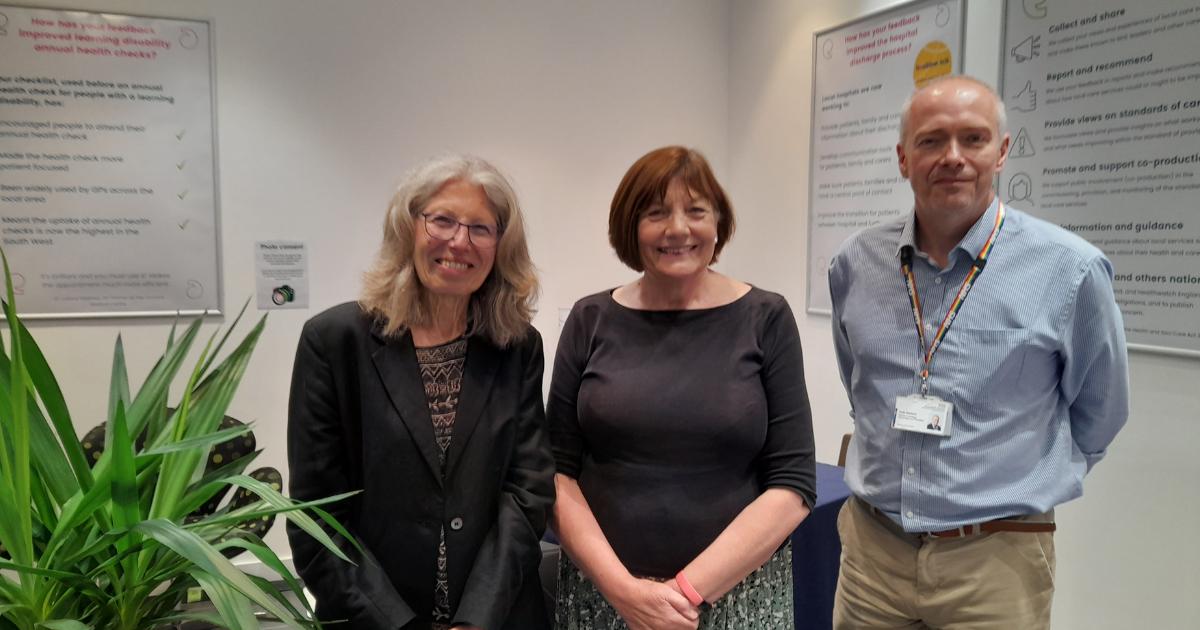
x: 106, y: 546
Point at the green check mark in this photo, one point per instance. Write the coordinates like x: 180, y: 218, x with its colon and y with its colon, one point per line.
x: 181, y: 165
x: 179, y: 136
x: 182, y: 195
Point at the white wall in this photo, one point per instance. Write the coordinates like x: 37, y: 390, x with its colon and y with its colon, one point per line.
x: 1128, y: 554
x: 323, y: 104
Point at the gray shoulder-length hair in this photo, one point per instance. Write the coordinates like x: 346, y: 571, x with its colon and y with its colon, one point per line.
x: 502, y: 308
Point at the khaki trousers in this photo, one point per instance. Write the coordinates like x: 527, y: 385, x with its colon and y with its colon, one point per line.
x: 893, y: 579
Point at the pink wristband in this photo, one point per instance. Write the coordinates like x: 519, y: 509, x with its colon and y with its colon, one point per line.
x: 688, y: 592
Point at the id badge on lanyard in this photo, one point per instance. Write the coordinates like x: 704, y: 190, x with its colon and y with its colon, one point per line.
x: 922, y: 413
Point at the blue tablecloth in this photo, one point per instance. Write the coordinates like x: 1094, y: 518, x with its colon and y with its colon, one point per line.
x: 817, y: 550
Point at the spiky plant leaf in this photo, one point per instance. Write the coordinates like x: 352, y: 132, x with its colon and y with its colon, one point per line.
x: 125, y: 511
x: 233, y: 606
x: 118, y: 389
x: 256, y: 546
x: 210, y: 561
x: 64, y: 624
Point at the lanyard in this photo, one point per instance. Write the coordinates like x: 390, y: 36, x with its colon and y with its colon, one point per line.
x: 906, y: 261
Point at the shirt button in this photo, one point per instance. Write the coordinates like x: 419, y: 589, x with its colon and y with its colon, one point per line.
x: 912, y: 471
x: 909, y: 514
x: 928, y: 327
x: 456, y: 524
x: 937, y: 280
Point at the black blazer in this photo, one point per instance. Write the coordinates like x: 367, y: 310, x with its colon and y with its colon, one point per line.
x: 358, y: 419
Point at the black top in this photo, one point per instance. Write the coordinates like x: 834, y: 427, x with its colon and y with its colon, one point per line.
x: 441, y: 373
x: 674, y: 421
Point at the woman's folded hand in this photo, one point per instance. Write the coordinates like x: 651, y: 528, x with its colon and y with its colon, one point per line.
x: 650, y: 605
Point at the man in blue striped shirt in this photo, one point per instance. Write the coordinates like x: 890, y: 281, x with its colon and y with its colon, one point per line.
x: 1006, y: 327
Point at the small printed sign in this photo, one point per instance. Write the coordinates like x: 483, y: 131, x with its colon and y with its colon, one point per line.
x: 281, y: 274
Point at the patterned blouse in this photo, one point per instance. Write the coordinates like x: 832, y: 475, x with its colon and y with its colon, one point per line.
x: 441, y: 371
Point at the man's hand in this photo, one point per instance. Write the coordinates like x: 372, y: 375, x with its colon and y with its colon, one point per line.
x: 650, y: 605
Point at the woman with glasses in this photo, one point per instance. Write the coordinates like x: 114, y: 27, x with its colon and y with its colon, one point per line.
x: 680, y: 425
x: 426, y: 395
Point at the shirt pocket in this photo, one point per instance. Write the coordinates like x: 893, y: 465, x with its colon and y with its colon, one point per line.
x: 980, y: 366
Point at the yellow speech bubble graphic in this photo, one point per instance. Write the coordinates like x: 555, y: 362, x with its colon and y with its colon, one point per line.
x: 933, y: 61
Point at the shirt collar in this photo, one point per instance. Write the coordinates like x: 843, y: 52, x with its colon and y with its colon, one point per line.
x: 974, y: 241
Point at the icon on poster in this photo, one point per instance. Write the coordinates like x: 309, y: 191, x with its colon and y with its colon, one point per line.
x: 933, y: 61
x: 1022, y: 145
x: 1027, y: 49
x: 827, y: 49
x: 282, y: 295
x: 188, y: 38
x: 3, y: 25
x: 942, y: 17
x: 195, y: 290
x: 1020, y: 188
x: 1035, y: 9
x: 1026, y: 99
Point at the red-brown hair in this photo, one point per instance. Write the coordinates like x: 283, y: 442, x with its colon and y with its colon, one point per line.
x: 645, y: 184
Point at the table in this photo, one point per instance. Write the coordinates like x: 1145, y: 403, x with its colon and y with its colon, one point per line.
x: 817, y: 551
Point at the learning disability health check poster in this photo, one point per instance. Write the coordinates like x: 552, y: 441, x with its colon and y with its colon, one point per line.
x: 107, y: 169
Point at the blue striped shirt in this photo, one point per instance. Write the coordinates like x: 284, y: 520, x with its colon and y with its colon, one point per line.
x: 1035, y: 365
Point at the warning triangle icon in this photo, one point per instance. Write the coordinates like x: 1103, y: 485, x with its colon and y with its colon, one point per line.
x: 1022, y: 146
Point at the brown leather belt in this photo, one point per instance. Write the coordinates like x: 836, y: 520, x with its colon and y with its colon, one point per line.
x: 998, y: 525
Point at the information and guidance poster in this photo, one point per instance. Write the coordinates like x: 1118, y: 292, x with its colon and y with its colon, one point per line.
x: 108, y: 202
x: 862, y: 73
x: 1103, y: 102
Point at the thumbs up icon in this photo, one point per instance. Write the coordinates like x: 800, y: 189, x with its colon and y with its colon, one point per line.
x: 1026, y: 99
x: 1027, y: 49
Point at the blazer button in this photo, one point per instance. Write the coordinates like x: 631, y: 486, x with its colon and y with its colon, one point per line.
x: 456, y: 524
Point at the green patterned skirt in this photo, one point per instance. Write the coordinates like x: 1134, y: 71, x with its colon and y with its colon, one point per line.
x: 762, y: 601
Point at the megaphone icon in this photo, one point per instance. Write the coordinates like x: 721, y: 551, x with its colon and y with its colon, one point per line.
x: 1027, y: 49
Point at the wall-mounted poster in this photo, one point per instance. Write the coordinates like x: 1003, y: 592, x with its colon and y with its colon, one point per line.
x: 1103, y: 101
x: 862, y: 73
x: 108, y: 196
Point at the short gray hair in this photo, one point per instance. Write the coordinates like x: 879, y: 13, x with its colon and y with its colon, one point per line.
x: 502, y: 308
x: 1001, y: 114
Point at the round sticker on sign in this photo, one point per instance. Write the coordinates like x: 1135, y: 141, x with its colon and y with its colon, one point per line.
x: 932, y: 62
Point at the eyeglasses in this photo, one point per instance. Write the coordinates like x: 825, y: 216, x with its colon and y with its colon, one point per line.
x: 444, y: 228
